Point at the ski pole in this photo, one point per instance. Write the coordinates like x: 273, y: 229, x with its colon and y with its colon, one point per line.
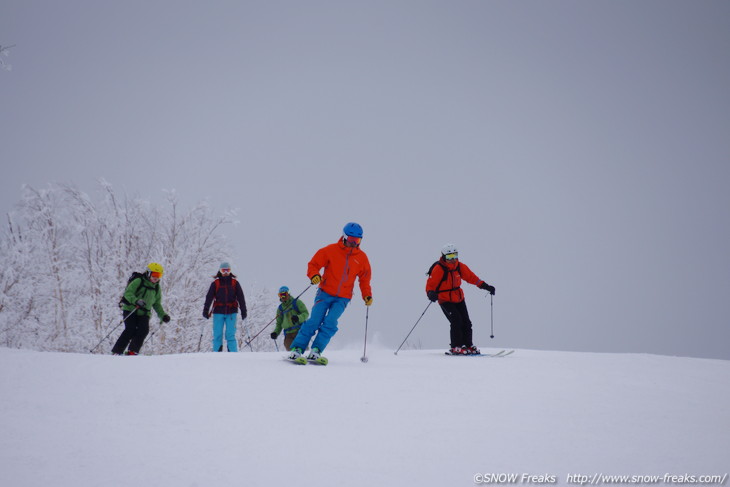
x: 151, y: 335
x: 305, y: 290
x: 270, y: 322
x: 118, y: 325
x: 248, y: 334
x: 491, y: 299
x: 200, y: 340
x: 364, y: 358
x: 248, y: 343
x: 414, y: 326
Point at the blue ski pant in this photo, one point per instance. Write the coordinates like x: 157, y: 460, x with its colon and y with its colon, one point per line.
x: 326, y: 311
x: 227, y: 322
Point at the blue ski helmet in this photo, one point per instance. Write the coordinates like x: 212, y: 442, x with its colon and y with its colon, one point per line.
x: 283, y: 289
x: 353, y: 229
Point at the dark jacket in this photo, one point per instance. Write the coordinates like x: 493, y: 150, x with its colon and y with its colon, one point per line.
x: 226, y: 295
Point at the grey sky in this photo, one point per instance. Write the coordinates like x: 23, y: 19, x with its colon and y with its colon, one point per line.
x: 576, y: 152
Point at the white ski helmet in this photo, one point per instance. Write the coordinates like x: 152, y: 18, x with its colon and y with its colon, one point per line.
x: 449, y: 249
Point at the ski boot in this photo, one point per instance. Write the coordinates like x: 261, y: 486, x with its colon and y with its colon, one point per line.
x: 316, y: 357
x: 473, y: 350
x: 296, y: 356
x: 456, y: 351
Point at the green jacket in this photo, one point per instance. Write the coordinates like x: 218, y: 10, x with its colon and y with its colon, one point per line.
x: 151, y: 293
x: 284, y: 313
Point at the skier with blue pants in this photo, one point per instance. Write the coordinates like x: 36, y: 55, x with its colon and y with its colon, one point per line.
x: 226, y: 295
x: 343, y: 262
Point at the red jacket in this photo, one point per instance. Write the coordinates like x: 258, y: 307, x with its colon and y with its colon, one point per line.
x: 448, y: 282
x: 341, y: 266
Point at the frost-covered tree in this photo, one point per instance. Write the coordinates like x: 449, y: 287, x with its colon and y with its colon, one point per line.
x: 66, y: 259
x: 5, y: 51
x: 15, y: 254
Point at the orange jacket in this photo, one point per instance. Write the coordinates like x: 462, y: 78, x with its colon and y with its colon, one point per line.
x: 341, y: 266
x: 449, y: 291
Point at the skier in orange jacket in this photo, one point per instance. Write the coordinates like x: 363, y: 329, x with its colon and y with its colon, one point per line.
x: 444, y: 285
x: 342, y: 261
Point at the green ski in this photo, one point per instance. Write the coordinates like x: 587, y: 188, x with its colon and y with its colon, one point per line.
x: 319, y: 361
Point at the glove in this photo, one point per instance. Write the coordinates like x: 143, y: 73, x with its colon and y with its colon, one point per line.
x: 294, y: 320
x: 243, y: 315
x: 316, y: 279
x: 141, y: 303
x: 487, y: 287
x: 274, y: 335
x: 206, y: 315
x: 166, y: 319
x: 432, y: 295
x: 368, y: 301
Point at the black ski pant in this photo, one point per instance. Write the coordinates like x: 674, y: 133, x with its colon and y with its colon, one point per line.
x: 458, y: 317
x: 136, y: 328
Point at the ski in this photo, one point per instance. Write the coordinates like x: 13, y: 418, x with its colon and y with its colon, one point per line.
x: 302, y: 360
x: 500, y: 354
x: 297, y: 361
x: 318, y: 361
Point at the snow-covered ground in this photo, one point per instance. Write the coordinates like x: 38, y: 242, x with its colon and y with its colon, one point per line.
x: 416, y: 419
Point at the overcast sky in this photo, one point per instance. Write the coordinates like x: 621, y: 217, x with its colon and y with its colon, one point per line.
x: 577, y: 153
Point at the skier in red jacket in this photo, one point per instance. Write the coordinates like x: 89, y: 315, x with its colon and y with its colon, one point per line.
x: 444, y: 286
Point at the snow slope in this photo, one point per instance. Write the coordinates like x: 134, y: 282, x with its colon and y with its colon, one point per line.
x: 419, y: 418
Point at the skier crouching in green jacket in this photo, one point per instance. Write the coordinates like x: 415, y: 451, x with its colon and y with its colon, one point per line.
x: 290, y: 315
x: 141, y: 296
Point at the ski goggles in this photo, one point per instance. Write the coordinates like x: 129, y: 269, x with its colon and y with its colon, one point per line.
x: 283, y: 295
x: 452, y: 256
x: 156, y: 275
x: 225, y: 271
x: 353, y: 240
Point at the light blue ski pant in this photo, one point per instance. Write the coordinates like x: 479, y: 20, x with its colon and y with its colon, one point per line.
x: 221, y: 321
x: 326, y: 311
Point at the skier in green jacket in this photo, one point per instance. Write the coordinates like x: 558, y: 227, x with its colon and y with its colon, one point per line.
x: 141, y: 296
x: 290, y: 315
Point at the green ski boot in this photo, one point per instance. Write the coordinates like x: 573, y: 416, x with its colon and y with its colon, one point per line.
x: 315, y: 357
x: 297, y: 357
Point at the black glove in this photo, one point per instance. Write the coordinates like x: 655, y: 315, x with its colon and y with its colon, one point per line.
x: 206, y: 315
x: 487, y: 287
x: 166, y: 319
x: 294, y: 319
x: 243, y: 315
x: 141, y: 303
x: 274, y: 335
x: 432, y: 295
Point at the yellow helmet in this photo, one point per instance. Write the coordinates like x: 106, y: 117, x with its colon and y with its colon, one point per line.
x: 155, y: 267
